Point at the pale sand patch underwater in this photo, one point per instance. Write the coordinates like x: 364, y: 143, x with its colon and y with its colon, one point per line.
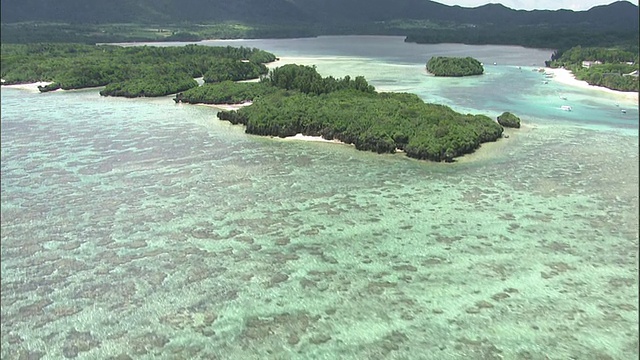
x: 168, y: 237
x: 566, y: 77
x: 309, y: 60
x: 487, y: 150
x: 493, y: 149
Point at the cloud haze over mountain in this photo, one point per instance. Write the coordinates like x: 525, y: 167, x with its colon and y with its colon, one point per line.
x: 535, y: 4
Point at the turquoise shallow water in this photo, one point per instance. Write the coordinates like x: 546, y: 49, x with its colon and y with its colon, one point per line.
x: 144, y: 229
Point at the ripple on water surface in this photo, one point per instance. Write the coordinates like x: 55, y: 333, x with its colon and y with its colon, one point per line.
x: 143, y: 229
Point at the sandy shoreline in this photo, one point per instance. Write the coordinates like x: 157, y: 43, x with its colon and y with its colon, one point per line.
x: 227, y: 107
x: 492, y: 149
x: 313, y: 138
x: 488, y: 150
x: 566, y: 77
x: 32, y: 87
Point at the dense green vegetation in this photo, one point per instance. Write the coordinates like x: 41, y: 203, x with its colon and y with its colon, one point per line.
x: 234, y: 70
x: 29, y: 32
x: 534, y: 36
x: 291, y: 99
x: 296, y: 99
x: 454, y: 66
x: 330, y: 13
x: 427, y: 32
x: 128, y: 71
x: 612, y: 72
x: 508, y: 119
x: 307, y: 80
x: 300, y: 78
x: 226, y: 92
x: 422, y: 21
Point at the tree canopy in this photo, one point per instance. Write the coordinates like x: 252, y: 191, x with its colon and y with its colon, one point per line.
x: 129, y: 71
x: 454, y: 66
x: 296, y: 99
x: 288, y: 100
x: 611, y: 70
x: 508, y: 119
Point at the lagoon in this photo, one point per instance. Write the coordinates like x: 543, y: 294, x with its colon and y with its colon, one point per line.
x: 147, y: 229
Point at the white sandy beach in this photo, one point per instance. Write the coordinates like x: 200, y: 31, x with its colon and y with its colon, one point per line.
x: 32, y: 87
x: 566, y: 77
x: 227, y: 107
x: 312, y: 138
x: 487, y: 150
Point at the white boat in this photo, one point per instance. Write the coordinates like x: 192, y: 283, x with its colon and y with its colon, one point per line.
x: 565, y: 108
x: 623, y: 111
x: 563, y: 97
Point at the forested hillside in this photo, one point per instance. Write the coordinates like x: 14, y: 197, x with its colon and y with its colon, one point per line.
x: 621, y: 14
x: 422, y: 21
x: 148, y: 11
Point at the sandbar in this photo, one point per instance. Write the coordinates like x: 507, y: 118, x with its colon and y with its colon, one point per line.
x: 566, y: 77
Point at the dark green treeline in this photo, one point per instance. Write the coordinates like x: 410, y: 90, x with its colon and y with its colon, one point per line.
x: 296, y: 99
x: 129, y: 71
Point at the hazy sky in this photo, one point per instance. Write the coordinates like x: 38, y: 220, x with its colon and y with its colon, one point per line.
x: 535, y: 4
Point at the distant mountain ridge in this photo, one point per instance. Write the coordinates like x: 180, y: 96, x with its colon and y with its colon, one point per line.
x: 621, y: 14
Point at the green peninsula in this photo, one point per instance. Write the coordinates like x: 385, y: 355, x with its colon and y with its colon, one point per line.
x: 129, y: 71
x: 454, y: 66
x: 296, y: 99
x: 615, y: 68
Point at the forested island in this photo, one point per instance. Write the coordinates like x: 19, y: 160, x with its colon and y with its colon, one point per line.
x: 129, y: 71
x: 296, y: 99
x: 288, y: 100
x: 508, y: 119
x: 419, y: 21
x: 614, y: 68
x: 36, y: 21
x: 454, y: 66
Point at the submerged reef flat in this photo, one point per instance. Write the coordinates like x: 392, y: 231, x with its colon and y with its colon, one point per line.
x: 158, y: 231
x: 145, y: 229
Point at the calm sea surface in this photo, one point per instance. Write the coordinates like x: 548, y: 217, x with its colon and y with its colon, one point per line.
x: 143, y: 229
